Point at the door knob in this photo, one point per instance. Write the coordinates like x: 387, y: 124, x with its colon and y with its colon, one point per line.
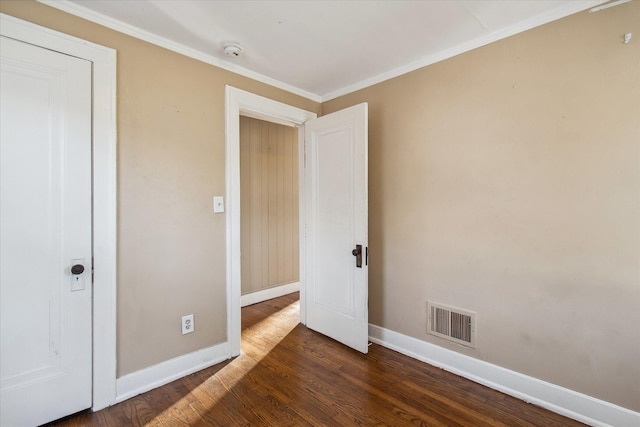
x: 357, y: 252
x: 77, y: 269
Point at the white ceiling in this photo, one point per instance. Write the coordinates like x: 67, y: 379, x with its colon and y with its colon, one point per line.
x: 322, y: 49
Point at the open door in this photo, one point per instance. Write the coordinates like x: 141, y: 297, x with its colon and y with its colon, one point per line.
x: 336, y: 216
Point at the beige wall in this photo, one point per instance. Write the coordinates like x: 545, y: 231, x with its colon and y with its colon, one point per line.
x: 269, y: 204
x: 171, y: 247
x: 507, y: 181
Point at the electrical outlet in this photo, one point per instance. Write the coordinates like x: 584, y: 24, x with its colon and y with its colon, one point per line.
x: 188, y: 325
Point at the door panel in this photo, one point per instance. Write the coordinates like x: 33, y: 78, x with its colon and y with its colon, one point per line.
x: 45, y: 228
x: 337, y: 221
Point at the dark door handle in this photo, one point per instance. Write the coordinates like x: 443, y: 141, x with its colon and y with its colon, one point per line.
x: 357, y: 252
x: 77, y: 269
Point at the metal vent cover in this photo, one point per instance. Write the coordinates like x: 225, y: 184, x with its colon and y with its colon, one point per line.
x: 452, y: 324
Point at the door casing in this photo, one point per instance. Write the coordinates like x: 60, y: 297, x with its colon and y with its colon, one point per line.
x: 240, y: 102
x: 103, y: 189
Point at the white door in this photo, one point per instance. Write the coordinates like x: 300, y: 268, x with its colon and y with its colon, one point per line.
x: 336, y: 278
x: 45, y: 230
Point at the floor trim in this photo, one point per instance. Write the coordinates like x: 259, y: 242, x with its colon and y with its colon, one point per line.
x: 163, y: 373
x: 269, y: 293
x: 557, y: 399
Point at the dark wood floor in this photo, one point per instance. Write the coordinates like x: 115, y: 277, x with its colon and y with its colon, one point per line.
x: 289, y: 375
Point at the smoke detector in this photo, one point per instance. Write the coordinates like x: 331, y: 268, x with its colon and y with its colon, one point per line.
x: 232, y: 50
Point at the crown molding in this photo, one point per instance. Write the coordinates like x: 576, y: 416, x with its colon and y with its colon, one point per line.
x: 117, y: 25
x: 536, y: 21
x: 558, y: 13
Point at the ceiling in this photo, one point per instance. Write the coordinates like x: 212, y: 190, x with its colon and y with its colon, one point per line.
x: 322, y: 49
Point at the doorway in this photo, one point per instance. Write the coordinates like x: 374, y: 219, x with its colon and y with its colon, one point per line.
x: 333, y: 213
x: 269, y: 221
x: 269, y: 210
x: 241, y: 103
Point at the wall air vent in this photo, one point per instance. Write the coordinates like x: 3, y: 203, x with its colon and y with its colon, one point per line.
x: 452, y: 324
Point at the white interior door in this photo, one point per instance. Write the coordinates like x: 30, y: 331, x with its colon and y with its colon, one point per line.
x: 45, y: 230
x: 336, y: 214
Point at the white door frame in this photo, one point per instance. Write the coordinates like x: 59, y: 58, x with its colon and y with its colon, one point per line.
x: 240, y: 102
x: 104, y: 191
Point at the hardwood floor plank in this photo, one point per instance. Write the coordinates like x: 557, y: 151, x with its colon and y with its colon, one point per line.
x: 273, y: 371
x: 316, y: 397
x: 330, y: 390
x: 289, y: 375
x: 209, y: 402
x: 350, y: 387
x: 384, y: 377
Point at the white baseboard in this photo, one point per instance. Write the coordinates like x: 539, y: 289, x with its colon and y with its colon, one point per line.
x: 563, y: 401
x: 163, y: 373
x: 270, y: 293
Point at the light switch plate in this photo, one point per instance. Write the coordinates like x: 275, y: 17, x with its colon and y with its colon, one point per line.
x: 218, y: 204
